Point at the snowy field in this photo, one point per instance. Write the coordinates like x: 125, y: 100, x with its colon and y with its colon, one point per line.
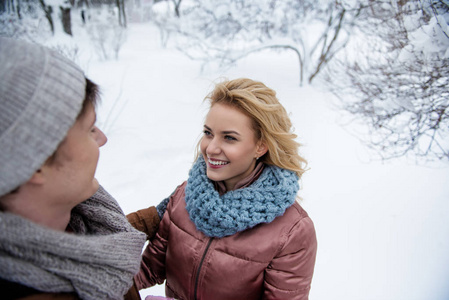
x: 382, y: 228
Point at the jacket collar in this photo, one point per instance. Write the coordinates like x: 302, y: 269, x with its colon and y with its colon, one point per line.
x: 245, y: 182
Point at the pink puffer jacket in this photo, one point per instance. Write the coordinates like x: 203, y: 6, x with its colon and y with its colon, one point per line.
x: 270, y: 261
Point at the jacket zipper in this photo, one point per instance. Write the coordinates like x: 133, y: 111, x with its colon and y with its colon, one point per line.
x: 199, y: 267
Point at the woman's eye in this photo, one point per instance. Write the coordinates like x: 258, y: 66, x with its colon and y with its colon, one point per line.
x: 207, y: 132
x: 93, y: 129
x: 230, y: 138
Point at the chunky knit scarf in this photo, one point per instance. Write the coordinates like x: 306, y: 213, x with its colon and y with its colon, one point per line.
x: 219, y: 216
x: 97, y: 261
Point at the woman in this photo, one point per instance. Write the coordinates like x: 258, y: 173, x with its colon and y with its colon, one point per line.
x: 233, y: 230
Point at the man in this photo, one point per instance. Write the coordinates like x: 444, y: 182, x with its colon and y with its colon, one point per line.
x: 54, y: 242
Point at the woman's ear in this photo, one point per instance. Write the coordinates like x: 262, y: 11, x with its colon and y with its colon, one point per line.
x: 261, y: 149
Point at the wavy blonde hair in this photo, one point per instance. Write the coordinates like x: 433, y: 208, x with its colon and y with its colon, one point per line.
x: 270, y: 121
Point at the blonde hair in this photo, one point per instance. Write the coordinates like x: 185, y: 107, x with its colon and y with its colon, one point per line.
x: 271, y: 123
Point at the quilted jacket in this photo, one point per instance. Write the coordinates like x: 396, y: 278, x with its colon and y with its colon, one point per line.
x: 269, y: 261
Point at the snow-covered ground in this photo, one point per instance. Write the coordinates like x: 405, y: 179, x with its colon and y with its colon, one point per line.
x: 382, y: 228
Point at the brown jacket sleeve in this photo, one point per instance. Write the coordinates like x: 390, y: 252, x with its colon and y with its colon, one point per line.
x: 145, y: 220
x: 133, y: 293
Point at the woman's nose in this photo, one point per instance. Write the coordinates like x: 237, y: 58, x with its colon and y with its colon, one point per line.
x: 213, y: 148
x: 100, y: 137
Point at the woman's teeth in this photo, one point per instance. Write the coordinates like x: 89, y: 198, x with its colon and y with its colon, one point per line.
x: 218, y: 163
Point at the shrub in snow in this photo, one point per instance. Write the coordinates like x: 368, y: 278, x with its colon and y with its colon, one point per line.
x: 106, y: 35
x: 225, y: 31
x: 393, y: 80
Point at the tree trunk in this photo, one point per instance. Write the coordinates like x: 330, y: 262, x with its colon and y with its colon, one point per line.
x: 326, y: 52
x: 124, y: 14
x: 18, y: 10
x: 48, y: 12
x: 177, y: 3
x: 121, y: 12
x: 8, y: 6
x: 66, y: 20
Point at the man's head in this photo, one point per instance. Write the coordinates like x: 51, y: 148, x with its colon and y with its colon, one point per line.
x: 46, y: 112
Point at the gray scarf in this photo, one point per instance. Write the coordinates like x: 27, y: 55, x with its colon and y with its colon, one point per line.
x: 97, y: 261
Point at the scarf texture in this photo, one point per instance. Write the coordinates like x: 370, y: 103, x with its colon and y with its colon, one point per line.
x: 218, y: 216
x: 97, y: 261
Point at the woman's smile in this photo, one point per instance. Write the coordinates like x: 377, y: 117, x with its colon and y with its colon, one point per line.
x: 216, y: 163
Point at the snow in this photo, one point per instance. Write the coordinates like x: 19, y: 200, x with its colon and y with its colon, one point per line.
x: 382, y: 227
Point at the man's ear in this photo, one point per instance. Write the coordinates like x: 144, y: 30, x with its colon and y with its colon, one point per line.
x: 38, y: 177
x: 262, y: 149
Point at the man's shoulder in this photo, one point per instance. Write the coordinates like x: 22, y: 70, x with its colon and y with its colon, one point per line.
x: 13, y: 290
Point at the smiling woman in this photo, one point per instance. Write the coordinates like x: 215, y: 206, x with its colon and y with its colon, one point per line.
x: 234, y: 229
x: 229, y: 145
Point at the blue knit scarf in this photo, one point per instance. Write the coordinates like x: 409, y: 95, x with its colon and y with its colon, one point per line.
x: 218, y: 216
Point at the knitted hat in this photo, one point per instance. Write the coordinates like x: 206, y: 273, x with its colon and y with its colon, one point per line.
x: 41, y: 95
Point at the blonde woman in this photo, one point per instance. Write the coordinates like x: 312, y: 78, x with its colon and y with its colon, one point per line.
x: 234, y: 229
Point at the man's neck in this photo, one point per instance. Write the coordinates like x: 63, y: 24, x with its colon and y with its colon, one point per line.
x: 38, y: 209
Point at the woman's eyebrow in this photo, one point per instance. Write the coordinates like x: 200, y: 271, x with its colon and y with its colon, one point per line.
x: 230, y: 132
x: 223, y: 132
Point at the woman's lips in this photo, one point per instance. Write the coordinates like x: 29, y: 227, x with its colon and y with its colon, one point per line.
x: 216, y: 164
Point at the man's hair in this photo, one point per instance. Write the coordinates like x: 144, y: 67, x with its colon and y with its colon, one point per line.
x: 92, y: 96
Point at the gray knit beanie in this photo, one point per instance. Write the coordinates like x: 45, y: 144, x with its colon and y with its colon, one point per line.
x: 41, y: 95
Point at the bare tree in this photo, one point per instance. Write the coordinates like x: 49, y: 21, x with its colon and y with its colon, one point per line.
x: 107, y: 36
x: 66, y: 18
x: 48, y: 10
x: 64, y: 7
x: 177, y: 4
x: 121, y: 12
x: 11, y: 6
x: 396, y: 81
x: 230, y: 30
x: 21, y: 19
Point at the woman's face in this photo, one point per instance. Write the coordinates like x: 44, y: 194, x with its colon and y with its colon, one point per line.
x: 229, y: 146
